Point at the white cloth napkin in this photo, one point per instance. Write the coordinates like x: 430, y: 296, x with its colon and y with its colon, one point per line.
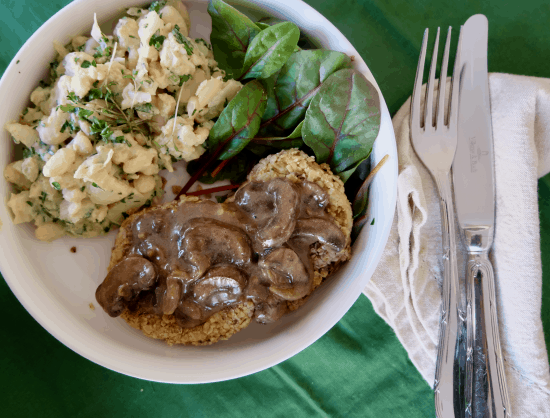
x: 405, y: 289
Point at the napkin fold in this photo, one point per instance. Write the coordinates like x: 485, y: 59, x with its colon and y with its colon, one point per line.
x: 405, y: 290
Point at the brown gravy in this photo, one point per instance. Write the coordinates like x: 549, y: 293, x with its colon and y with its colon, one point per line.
x: 200, y: 257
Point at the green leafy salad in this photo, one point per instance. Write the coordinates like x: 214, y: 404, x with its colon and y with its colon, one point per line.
x: 293, y: 97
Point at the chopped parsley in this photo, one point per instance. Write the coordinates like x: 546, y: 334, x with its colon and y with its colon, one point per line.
x: 87, y: 64
x: 180, y: 79
x: 53, y: 69
x: 101, y: 128
x: 372, y: 223
x: 145, y: 107
x: 56, y: 186
x: 103, y: 50
x: 29, y: 152
x: 82, y: 188
x: 29, y: 203
x: 95, y: 94
x: 121, y: 140
x: 184, y: 78
x: 70, y: 125
x: 181, y: 40
x: 157, y: 5
x: 157, y: 40
x: 202, y: 41
x: 83, y: 114
x: 73, y: 97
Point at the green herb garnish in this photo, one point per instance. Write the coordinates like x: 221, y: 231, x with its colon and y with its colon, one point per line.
x: 157, y: 40
x: 73, y: 97
x: 156, y: 6
x: 145, y: 107
x: 181, y: 40
x: 70, y: 125
x: 87, y: 64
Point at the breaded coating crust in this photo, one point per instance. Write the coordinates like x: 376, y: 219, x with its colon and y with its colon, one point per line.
x: 219, y: 326
x: 292, y: 164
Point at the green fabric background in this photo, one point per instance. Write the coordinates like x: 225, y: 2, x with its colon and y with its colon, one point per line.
x: 358, y: 369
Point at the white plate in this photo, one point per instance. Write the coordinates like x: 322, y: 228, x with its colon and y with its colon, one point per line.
x: 57, y: 286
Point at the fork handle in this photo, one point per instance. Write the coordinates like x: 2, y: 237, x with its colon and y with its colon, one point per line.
x: 485, y: 379
x: 447, y: 382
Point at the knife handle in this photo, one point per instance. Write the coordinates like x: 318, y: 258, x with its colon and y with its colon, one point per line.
x: 485, y: 378
x: 447, y: 381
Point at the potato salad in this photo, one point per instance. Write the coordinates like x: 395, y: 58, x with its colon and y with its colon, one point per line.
x: 116, y: 111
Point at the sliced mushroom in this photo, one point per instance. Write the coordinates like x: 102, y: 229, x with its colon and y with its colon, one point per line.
x: 188, y: 314
x: 256, y: 290
x: 176, y: 285
x: 280, y: 226
x: 254, y: 199
x: 311, y: 230
x: 124, y: 283
x: 209, y: 242
x: 220, y: 286
x: 314, y: 199
x: 269, y: 311
x: 289, y: 276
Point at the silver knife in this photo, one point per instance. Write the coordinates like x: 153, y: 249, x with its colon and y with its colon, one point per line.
x: 486, y: 395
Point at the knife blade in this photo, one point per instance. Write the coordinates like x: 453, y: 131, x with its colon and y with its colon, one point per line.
x: 474, y: 188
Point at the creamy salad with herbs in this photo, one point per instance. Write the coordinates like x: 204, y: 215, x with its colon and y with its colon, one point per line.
x: 117, y: 110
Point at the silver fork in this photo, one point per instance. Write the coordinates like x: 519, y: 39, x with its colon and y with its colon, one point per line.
x: 434, y: 138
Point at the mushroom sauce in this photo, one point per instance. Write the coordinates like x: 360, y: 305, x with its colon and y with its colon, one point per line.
x: 197, y: 258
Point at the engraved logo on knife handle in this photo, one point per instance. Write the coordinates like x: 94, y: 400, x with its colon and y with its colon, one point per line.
x: 475, y: 154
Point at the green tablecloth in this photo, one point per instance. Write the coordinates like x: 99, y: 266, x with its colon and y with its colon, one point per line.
x: 358, y: 369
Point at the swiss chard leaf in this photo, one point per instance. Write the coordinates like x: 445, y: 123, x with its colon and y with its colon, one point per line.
x: 266, y: 146
x: 262, y: 25
x: 357, y: 189
x: 291, y: 90
x: 350, y: 173
x: 269, y: 50
x: 342, y: 121
x: 231, y: 34
x: 235, y: 171
x: 235, y: 127
x: 239, y: 121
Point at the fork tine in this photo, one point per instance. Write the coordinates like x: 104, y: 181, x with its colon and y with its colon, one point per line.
x: 455, y: 82
x: 428, y: 108
x: 415, y: 101
x: 442, y: 82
